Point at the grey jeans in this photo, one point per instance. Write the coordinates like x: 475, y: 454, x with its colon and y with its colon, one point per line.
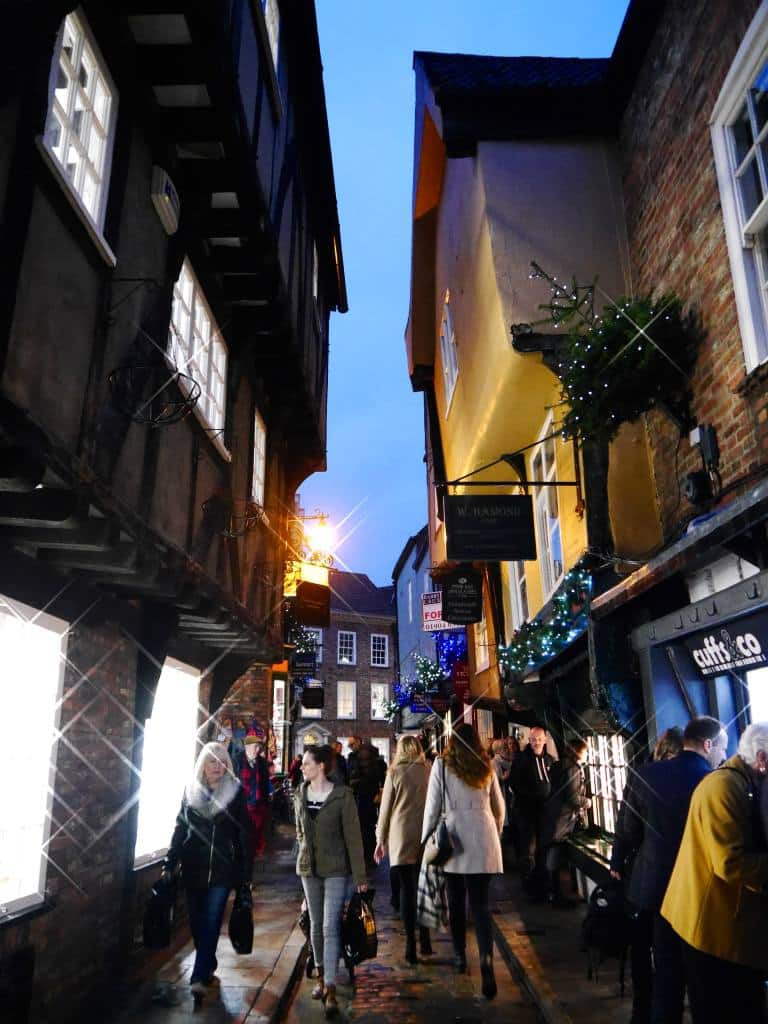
x: 325, y: 899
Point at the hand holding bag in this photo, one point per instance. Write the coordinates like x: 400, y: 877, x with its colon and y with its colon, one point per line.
x: 158, y: 914
x: 241, y: 922
x: 439, y: 846
x: 359, y: 940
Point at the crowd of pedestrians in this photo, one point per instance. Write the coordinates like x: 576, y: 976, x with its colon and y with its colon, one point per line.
x: 690, y: 851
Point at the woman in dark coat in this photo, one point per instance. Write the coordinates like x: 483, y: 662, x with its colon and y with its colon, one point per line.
x: 209, y: 842
x: 565, y: 806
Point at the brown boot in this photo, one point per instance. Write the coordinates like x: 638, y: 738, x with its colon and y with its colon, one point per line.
x: 319, y: 990
x: 331, y: 1006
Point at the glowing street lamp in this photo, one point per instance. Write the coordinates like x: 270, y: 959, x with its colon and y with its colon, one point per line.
x: 319, y: 539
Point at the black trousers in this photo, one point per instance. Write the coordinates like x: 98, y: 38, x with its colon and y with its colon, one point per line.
x: 641, y: 966
x: 669, y: 974
x: 406, y: 877
x: 476, y: 887
x: 367, y: 813
x: 719, y: 990
x: 532, y: 852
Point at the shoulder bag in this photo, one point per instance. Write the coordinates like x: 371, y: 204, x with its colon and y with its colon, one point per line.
x: 439, y: 845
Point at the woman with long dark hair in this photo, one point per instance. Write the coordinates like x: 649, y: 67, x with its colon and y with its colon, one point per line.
x: 398, y: 833
x: 464, y: 782
x: 210, y: 843
x: 330, y: 856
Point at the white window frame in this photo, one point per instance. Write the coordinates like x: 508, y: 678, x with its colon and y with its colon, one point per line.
x: 177, y: 746
x: 346, y: 633
x: 346, y: 700
x: 482, y: 651
x: 94, y: 125
x: 747, y: 239
x: 317, y: 631
x: 547, y: 525
x: 47, y: 721
x: 518, y: 592
x: 259, y: 472
x: 197, y: 348
x: 271, y: 12
x: 448, y: 352
x: 385, y: 638
x: 606, y: 778
x: 379, y: 696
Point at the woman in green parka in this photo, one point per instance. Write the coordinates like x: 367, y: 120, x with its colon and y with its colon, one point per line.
x: 330, y: 851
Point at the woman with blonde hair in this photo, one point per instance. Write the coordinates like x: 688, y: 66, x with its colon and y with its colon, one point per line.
x: 464, y: 783
x: 210, y: 843
x: 398, y: 833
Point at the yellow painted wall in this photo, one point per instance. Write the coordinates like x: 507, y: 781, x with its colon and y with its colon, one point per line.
x: 558, y: 203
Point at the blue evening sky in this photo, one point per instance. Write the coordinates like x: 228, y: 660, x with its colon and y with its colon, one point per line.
x: 375, y: 479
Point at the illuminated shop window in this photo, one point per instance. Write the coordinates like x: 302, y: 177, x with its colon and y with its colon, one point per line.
x: 606, y: 772
x: 170, y: 748
x: 32, y: 652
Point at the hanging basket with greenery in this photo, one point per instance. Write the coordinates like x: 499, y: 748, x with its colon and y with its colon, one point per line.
x: 637, y: 355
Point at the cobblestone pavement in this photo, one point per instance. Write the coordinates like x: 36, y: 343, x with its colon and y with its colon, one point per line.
x: 388, y: 991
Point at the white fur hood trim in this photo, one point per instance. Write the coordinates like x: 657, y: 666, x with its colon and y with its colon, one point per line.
x: 209, y: 804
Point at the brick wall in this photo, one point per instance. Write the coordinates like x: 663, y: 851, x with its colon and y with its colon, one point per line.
x: 677, y: 239
x: 77, y: 944
x: 330, y: 672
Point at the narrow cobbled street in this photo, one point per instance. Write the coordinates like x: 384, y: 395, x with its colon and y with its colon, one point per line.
x: 388, y: 991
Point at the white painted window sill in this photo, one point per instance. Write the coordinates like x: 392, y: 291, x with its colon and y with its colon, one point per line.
x: 74, y: 200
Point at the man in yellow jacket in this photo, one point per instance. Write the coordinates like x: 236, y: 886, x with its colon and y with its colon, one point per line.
x: 717, y: 898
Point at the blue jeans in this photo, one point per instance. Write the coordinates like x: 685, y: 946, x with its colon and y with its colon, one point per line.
x: 206, y: 912
x: 325, y: 899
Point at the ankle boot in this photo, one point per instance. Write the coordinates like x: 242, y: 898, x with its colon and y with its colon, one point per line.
x: 460, y: 962
x: 489, y: 979
x: 319, y: 989
x: 410, y: 950
x: 425, y: 943
x: 331, y: 1006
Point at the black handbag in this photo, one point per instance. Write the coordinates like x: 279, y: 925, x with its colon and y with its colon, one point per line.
x: 241, y: 923
x: 158, y: 915
x: 359, y: 940
x: 439, y: 846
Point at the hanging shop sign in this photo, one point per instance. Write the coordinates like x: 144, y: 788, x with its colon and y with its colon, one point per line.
x: 313, y: 604
x: 742, y: 644
x: 313, y: 696
x: 460, y: 680
x: 462, y: 596
x: 304, y: 662
x: 432, y: 620
x: 490, y: 528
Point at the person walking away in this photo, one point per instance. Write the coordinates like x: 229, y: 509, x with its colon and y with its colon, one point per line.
x: 367, y: 772
x: 339, y: 772
x: 567, y: 804
x: 464, y: 782
x: 254, y: 778
x: 531, y: 784
x: 398, y: 834
x: 209, y: 842
x: 330, y: 856
x: 717, y: 897
x: 662, y: 794
x: 623, y: 854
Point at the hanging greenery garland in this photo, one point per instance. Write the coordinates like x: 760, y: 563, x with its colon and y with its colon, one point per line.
x: 429, y: 677
x: 537, y: 641
x: 613, y: 368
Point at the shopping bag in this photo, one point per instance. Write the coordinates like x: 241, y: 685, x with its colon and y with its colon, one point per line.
x: 432, y: 900
x: 158, y: 915
x: 241, y: 923
x: 359, y: 940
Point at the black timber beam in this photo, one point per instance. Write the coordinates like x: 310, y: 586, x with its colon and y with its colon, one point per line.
x: 192, y: 124
x: 20, y: 468
x: 206, y: 176
x: 120, y: 560
x: 227, y: 259
x: 172, y: 65
x: 256, y: 289
x: 93, y: 535
x: 37, y: 508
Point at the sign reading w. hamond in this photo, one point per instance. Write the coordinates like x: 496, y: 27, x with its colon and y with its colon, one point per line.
x: 490, y: 528
x: 742, y: 644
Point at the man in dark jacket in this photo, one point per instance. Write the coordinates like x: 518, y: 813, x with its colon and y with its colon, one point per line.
x: 366, y: 779
x: 661, y: 794
x: 531, y: 784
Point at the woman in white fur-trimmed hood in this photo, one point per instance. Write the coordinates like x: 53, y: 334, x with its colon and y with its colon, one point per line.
x: 209, y: 842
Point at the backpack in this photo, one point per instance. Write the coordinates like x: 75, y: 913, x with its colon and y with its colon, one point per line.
x: 605, y: 931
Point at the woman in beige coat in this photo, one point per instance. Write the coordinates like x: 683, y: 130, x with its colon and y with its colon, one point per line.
x: 466, y: 784
x: 399, y: 833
